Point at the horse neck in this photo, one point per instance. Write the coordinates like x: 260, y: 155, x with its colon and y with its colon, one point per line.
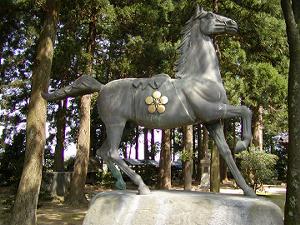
x: 201, y: 60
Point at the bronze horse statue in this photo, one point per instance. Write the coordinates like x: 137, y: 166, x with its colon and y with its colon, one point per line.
x: 196, y: 95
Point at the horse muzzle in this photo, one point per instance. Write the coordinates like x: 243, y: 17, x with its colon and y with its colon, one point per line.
x: 231, y: 26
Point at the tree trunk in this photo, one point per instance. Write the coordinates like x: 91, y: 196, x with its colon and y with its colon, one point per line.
x: 152, y: 153
x: 233, y: 141
x: 188, y: 154
x: 165, y: 160
x: 24, y: 211
x: 223, y: 170
x: 58, y: 164
x: 258, y: 128
x: 200, y: 153
x: 76, y: 194
x: 223, y: 165
x: 172, y: 136
x: 146, y: 146
x: 215, y: 169
x: 205, y: 143
x: 215, y: 156
x: 137, y: 143
x: 291, y: 11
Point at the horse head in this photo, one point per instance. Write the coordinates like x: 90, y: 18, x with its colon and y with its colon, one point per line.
x: 213, y: 24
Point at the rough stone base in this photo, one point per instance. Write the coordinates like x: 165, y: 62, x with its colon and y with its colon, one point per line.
x: 180, y: 208
x: 56, y: 183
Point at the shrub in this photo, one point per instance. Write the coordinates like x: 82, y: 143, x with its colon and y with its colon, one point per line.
x: 257, y: 167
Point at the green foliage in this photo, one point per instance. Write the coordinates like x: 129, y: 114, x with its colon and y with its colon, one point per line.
x: 186, y: 155
x: 11, y: 160
x: 268, y: 86
x: 257, y: 167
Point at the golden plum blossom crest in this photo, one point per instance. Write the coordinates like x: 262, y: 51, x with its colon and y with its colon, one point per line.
x: 156, y: 102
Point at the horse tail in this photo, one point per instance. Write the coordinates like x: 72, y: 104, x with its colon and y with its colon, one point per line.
x: 81, y: 86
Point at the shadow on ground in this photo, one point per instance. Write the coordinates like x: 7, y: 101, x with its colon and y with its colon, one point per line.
x: 51, y: 213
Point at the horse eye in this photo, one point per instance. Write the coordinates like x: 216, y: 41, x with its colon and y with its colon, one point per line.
x: 210, y: 15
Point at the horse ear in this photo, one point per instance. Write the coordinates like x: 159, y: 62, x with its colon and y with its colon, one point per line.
x: 199, y: 10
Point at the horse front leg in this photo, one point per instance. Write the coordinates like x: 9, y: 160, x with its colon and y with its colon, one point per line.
x: 246, y: 116
x: 217, y: 133
x: 230, y: 111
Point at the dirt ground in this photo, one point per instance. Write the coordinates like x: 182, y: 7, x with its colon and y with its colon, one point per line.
x: 50, y: 211
x: 55, y: 212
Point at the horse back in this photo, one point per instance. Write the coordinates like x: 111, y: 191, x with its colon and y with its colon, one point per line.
x: 162, y: 106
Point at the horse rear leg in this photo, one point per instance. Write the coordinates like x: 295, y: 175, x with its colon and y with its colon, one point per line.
x: 103, y: 153
x: 216, y: 132
x: 114, y: 134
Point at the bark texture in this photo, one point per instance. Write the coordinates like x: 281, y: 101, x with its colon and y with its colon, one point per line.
x: 24, y: 211
x: 215, y: 170
x: 188, y: 157
x: 153, y: 149
x: 258, y: 128
x: 165, y: 161
x: 291, y: 11
x: 60, y: 137
x: 76, y: 194
x: 215, y: 156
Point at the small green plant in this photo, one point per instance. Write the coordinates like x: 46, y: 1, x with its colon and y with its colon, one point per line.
x: 257, y: 167
x: 186, y: 155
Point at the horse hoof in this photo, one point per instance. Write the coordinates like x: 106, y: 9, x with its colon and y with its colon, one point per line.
x: 250, y: 193
x: 120, y: 185
x: 144, y: 190
x: 240, y: 146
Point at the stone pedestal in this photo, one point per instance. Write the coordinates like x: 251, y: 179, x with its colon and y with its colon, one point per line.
x: 56, y: 183
x: 205, y: 171
x: 178, y: 208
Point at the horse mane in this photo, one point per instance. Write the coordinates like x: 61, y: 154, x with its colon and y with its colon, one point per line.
x: 184, y: 46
